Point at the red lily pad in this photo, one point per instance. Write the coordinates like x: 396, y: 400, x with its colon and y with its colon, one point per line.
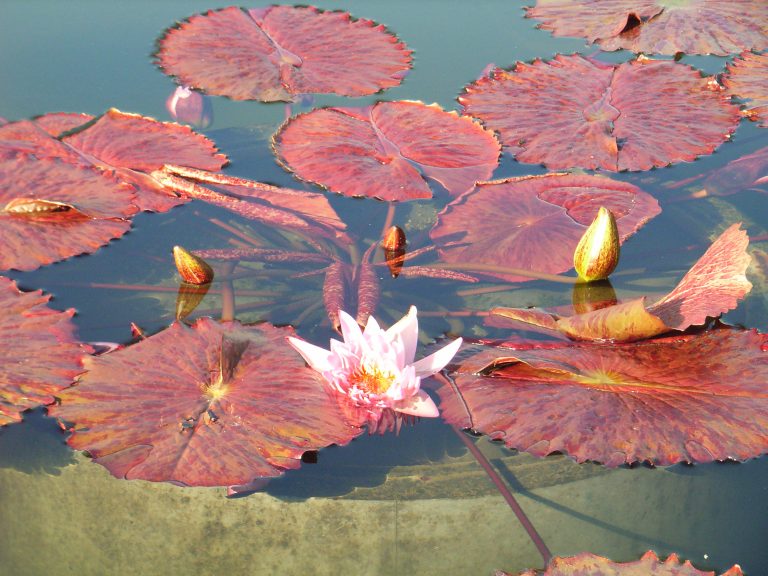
x: 534, y: 222
x: 29, y: 329
x: 747, y: 78
x: 280, y: 52
x: 694, y: 398
x: 575, y: 111
x: 54, y: 210
x: 375, y: 151
x: 749, y: 172
x: 215, y: 404
x: 718, y: 27
x: 648, y: 565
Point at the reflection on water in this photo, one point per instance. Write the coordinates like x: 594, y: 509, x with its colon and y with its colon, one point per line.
x: 416, y: 503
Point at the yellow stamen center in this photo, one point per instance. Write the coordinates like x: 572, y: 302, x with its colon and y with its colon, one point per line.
x: 372, y: 380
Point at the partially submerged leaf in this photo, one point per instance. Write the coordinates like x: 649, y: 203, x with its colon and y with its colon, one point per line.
x: 535, y: 222
x: 216, y: 404
x: 747, y: 78
x: 382, y: 151
x: 718, y: 27
x: 39, y: 356
x: 649, y: 565
x: 54, y: 210
x: 693, y: 398
x: 279, y: 52
x: 631, y: 116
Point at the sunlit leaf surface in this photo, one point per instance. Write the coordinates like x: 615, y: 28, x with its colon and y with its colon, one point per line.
x: 694, y: 398
x: 534, y: 222
x: 209, y: 405
x: 39, y: 356
x: 579, y: 112
x: 382, y: 151
x: 747, y: 78
x: 279, y: 52
x: 649, y: 565
x: 51, y: 210
x: 719, y: 27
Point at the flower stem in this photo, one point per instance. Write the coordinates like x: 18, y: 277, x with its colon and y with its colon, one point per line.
x: 504, y: 490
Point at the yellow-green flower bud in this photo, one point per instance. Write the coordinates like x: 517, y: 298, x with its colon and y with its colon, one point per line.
x: 192, y: 269
x: 597, y: 253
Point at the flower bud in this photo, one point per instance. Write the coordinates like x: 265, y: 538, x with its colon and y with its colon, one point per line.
x: 597, y: 253
x: 191, y: 107
x: 192, y: 269
x: 394, y: 249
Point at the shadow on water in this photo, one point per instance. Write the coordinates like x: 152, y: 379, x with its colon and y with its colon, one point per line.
x: 35, y: 445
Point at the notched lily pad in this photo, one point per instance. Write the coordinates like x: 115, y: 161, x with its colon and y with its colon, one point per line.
x: 631, y: 116
x: 747, y: 78
x: 280, y: 52
x: 215, y: 404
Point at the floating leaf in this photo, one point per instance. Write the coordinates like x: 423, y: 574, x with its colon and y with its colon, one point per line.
x: 593, y: 565
x: 747, y: 78
x: 534, y: 222
x: 54, y: 210
x: 748, y: 172
x: 211, y: 405
x: 713, y: 285
x: 718, y: 27
x: 375, y: 151
x: 694, y: 398
x: 631, y: 116
x: 39, y: 356
x: 279, y: 52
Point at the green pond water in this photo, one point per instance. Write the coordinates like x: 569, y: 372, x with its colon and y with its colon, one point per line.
x: 416, y: 503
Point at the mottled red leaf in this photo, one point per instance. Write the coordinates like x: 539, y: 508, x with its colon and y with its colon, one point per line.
x: 534, y: 222
x: 575, y: 111
x: 694, y: 398
x: 280, y: 52
x: 713, y: 285
x: 748, y: 172
x: 57, y: 123
x: 378, y: 151
x: 719, y: 27
x: 649, y: 565
x: 39, y: 356
x: 747, y: 78
x: 215, y: 404
x: 51, y: 210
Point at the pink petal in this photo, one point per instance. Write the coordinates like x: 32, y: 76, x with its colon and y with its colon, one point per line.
x: 437, y: 361
x: 351, y: 332
x: 419, y: 405
x: 408, y: 329
x: 319, y: 359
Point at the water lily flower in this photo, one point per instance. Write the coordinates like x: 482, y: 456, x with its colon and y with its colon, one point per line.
x: 375, y: 368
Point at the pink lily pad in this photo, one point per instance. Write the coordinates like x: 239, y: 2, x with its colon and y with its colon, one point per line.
x: 649, y: 565
x: 27, y: 327
x: 694, y: 398
x: 54, y: 210
x: 747, y: 78
x: 280, y: 52
x: 380, y: 150
x: 718, y: 27
x: 215, y: 404
x: 578, y: 112
x: 533, y: 223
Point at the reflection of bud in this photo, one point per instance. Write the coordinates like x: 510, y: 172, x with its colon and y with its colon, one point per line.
x: 192, y: 269
x: 394, y: 249
x: 591, y: 296
x: 186, y: 105
x: 597, y: 253
x: 188, y: 297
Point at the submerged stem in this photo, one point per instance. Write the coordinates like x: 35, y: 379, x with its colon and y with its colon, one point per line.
x: 504, y: 270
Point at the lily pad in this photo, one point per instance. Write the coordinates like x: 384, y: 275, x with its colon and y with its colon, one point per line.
x: 29, y: 378
x: 215, y: 404
x: 579, y: 112
x: 534, y: 223
x: 648, y: 565
x: 720, y: 27
x: 747, y: 78
x: 379, y: 151
x: 694, y: 398
x: 54, y: 210
x: 280, y: 52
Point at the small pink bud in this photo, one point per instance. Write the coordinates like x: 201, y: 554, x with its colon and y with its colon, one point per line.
x: 186, y: 105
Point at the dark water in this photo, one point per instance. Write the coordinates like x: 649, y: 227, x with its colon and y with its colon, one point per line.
x: 408, y: 504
